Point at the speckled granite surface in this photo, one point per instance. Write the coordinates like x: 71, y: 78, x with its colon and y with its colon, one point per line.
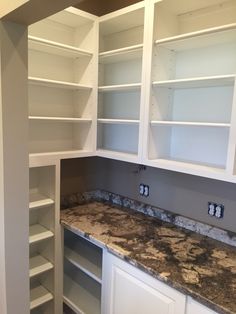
x: 191, y: 263
x: 165, y: 215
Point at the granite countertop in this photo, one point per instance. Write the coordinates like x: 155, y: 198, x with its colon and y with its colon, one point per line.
x: 189, y: 262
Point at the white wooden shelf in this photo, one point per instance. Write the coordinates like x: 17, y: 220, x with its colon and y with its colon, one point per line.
x: 206, y: 37
x: 39, y: 296
x: 38, y: 200
x: 39, y: 265
x: 199, y: 169
x: 61, y: 119
x: 58, y: 84
x: 90, y: 268
x: 211, y: 81
x: 80, y: 300
x: 39, y: 233
x: 118, y: 121
x: 187, y: 123
x: 120, y: 87
x: 52, y: 47
x: 121, y: 55
x: 118, y: 155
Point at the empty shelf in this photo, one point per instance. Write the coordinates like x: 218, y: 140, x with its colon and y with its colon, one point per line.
x: 79, y: 299
x: 60, y: 119
x: 120, y: 87
x: 52, y: 47
x: 206, y: 37
x: 122, y: 54
x: 39, y: 296
x: 220, y: 80
x: 91, y: 268
x: 58, y: 84
x: 118, y: 121
x: 39, y: 265
x: 38, y: 200
x: 185, y: 123
x: 39, y: 233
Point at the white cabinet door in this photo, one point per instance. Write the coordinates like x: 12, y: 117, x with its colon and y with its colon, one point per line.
x: 194, y: 307
x: 127, y: 290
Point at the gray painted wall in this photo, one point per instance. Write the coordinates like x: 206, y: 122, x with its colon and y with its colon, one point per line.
x: 182, y: 194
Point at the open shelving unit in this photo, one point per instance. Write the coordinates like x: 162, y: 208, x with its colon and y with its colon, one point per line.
x: 121, y: 42
x: 192, y: 100
x: 62, y: 85
x: 82, y: 274
x: 42, y: 239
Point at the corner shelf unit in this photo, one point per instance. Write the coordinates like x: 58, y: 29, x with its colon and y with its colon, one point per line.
x: 121, y: 42
x: 82, y: 274
x: 62, y: 85
x: 165, y: 91
x: 42, y: 239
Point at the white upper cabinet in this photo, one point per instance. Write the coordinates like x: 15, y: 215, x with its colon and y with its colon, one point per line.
x: 121, y: 78
x: 152, y: 83
x: 190, y: 121
x: 62, y: 84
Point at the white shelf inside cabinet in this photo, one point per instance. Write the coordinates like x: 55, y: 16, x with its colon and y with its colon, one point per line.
x: 39, y: 233
x: 62, y: 119
x: 207, y: 37
x: 52, y: 47
x: 221, y: 80
x: 38, y: 200
x: 122, y: 54
x: 79, y: 260
x: 58, y: 84
x: 81, y: 301
x: 118, y: 121
x: 120, y: 87
x: 39, y: 296
x: 184, y: 123
x: 39, y: 265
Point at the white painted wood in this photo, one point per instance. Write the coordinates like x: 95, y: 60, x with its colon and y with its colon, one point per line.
x: 216, y: 125
x: 39, y: 265
x: 193, y: 307
x: 130, y: 291
x: 14, y: 213
x: 206, y: 37
x: 119, y: 87
x: 58, y: 84
x: 219, y: 80
x: 38, y: 201
x: 39, y: 296
x: 122, y: 54
x: 129, y: 157
x: 77, y: 120
x: 39, y: 233
x: 80, y: 291
x: 118, y: 121
x: 52, y: 47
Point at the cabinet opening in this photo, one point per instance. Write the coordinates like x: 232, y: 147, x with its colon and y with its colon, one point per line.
x: 206, y: 146
x: 175, y: 18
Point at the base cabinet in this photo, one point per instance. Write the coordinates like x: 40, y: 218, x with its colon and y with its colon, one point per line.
x: 130, y: 291
x: 194, y: 307
x: 97, y: 282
